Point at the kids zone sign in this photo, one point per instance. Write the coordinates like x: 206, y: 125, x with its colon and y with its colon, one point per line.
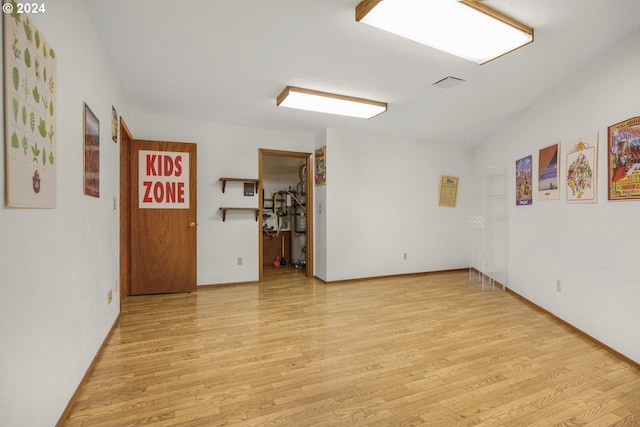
x: 163, y: 180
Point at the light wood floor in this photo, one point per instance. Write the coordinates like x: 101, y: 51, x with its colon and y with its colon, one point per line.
x: 429, y: 350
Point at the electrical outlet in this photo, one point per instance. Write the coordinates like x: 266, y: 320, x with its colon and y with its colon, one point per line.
x: 240, y: 260
x: 109, y: 297
x: 558, y: 286
x: 405, y: 255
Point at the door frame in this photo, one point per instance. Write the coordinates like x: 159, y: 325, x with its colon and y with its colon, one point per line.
x: 125, y: 210
x: 263, y: 152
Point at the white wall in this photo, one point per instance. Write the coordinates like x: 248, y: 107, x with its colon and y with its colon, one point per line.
x: 223, y: 151
x: 57, y: 265
x: 361, y: 233
x: 591, y: 248
x: 382, y: 201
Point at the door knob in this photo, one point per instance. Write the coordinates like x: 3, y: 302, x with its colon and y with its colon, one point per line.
x: 192, y: 224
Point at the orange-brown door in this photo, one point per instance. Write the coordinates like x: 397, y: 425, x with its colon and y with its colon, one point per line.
x: 163, y: 217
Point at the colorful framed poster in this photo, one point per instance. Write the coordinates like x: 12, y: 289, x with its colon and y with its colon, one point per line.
x: 448, y: 191
x: 524, y: 181
x: 548, y: 173
x: 624, y: 160
x: 30, y: 122
x: 321, y: 166
x: 582, y: 170
x: 91, y: 153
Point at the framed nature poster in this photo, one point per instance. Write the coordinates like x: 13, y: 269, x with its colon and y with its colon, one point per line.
x: 548, y: 168
x: 30, y: 125
x: 582, y: 170
x: 524, y: 181
x: 624, y: 160
x: 91, y: 153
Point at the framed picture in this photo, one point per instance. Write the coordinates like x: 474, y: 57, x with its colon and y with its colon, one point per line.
x: 624, y: 160
x: 30, y: 92
x: 321, y: 166
x: 114, y: 124
x: 91, y: 153
x: 524, y: 181
x: 448, y: 191
x: 249, y: 188
x: 548, y: 172
x: 582, y: 170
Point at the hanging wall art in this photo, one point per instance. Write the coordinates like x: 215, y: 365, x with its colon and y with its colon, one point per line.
x: 321, y: 166
x: 448, y: 191
x: 624, y: 160
x: 582, y: 170
x: 548, y: 173
x: 524, y: 181
x: 91, y: 153
x: 30, y: 125
x: 114, y: 124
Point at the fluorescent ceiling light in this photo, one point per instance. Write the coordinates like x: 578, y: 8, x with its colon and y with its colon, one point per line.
x: 465, y: 28
x: 323, y: 102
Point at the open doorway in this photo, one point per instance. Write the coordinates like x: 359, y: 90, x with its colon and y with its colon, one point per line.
x: 286, y: 203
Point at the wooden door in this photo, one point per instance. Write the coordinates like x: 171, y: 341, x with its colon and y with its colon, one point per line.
x: 163, y: 217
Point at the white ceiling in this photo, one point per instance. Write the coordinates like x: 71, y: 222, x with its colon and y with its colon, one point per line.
x: 225, y: 61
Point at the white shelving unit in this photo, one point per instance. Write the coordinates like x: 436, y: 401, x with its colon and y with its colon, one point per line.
x: 488, y: 255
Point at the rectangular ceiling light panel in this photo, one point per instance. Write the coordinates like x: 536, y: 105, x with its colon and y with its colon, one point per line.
x: 466, y: 28
x: 323, y: 102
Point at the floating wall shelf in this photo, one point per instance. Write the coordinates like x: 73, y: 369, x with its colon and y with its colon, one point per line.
x: 245, y: 180
x: 224, y: 181
x: 224, y: 211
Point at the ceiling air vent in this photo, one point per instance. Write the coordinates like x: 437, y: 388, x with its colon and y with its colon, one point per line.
x: 448, y: 82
